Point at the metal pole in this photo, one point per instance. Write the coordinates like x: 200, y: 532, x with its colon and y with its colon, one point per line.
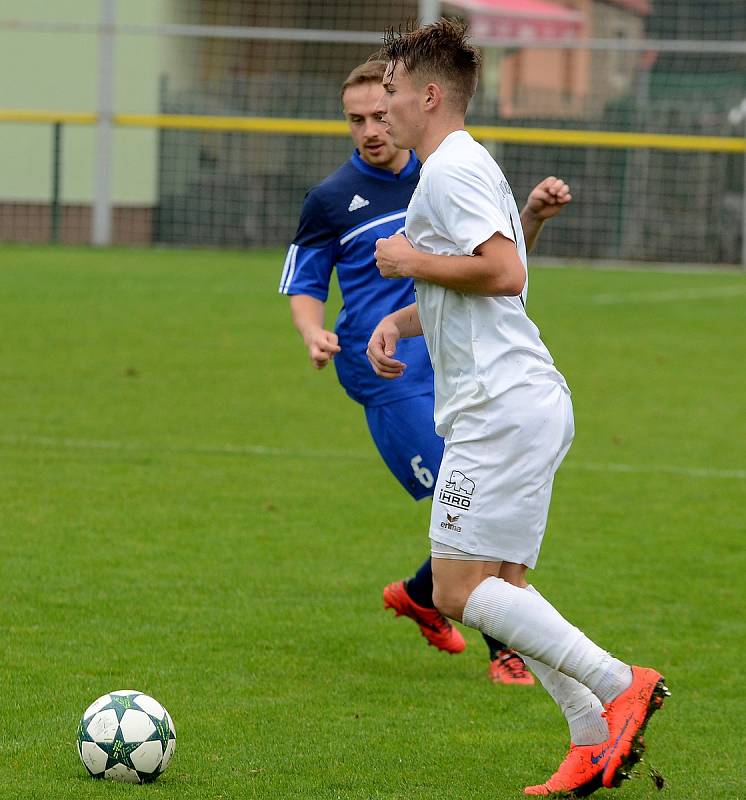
x: 101, y: 226
x: 428, y: 10
x: 54, y: 208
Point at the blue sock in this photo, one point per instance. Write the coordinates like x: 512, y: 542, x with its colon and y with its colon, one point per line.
x: 420, y: 588
x: 493, y: 646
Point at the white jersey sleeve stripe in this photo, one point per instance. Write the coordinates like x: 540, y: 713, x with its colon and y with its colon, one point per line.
x: 288, y: 269
x: 372, y: 224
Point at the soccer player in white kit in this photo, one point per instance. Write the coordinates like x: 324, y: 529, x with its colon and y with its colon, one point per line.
x: 500, y: 403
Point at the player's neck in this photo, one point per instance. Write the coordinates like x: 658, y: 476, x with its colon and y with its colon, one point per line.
x: 401, y: 161
x: 435, y: 133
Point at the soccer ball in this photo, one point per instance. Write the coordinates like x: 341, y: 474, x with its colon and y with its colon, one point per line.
x: 126, y: 736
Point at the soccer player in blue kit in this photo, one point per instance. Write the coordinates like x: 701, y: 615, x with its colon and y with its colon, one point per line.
x: 362, y: 201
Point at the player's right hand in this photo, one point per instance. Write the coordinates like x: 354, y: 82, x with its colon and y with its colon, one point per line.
x: 322, y: 347
x: 381, y: 348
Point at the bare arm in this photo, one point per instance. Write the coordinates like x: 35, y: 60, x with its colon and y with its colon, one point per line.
x: 546, y: 200
x: 494, y: 269
x: 308, y: 318
x: 402, y: 324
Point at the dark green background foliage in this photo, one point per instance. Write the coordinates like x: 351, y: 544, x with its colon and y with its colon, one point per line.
x: 188, y: 509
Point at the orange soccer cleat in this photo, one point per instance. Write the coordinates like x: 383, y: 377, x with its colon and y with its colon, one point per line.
x: 433, y: 625
x: 508, y: 667
x: 627, y: 715
x: 579, y: 775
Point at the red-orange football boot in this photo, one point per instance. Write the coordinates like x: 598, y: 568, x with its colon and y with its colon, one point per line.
x: 433, y: 625
x: 579, y: 775
x: 627, y: 715
x: 508, y: 667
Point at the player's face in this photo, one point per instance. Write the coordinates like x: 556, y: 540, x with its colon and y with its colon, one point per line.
x: 401, y: 107
x: 374, y: 144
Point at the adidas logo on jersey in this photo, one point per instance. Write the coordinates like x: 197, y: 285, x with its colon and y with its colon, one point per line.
x: 357, y: 202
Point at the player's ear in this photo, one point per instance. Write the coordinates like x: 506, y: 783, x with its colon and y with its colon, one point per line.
x: 433, y: 96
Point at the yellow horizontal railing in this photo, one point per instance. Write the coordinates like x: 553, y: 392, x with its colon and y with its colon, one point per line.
x: 323, y: 127
x: 618, y: 139
x: 49, y: 117
x: 303, y: 127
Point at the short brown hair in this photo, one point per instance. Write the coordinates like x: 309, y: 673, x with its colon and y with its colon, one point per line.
x: 370, y: 72
x: 439, y: 51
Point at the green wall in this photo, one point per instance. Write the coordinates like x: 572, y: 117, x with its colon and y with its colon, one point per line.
x: 58, y: 71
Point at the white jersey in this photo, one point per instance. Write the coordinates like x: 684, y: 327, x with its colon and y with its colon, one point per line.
x: 480, y: 347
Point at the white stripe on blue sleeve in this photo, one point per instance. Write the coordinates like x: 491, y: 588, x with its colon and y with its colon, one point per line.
x: 288, y: 269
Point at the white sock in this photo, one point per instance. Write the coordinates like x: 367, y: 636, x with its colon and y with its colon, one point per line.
x: 527, y: 622
x: 581, y: 708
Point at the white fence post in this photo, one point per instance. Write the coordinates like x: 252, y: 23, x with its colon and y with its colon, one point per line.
x: 428, y: 11
x: 102, y: 213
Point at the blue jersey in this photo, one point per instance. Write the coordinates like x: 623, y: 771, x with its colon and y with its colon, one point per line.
x: 340, y: 221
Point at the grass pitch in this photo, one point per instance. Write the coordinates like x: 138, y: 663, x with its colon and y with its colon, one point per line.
x: 188, y: 509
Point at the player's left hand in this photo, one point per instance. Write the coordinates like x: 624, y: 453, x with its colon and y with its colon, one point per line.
x: 392, y: 255
x: 548, y: 198
x: 382, y: 348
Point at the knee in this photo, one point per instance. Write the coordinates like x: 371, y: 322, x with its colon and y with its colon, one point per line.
x: 449, y: 600
x: 514, y: 573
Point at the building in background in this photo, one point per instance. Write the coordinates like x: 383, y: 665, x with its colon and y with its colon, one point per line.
x: 287, y: 59
x: 576, y: 83
x: 57, y: 71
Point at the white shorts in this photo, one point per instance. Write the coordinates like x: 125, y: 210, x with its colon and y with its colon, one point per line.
x: 495, y: 482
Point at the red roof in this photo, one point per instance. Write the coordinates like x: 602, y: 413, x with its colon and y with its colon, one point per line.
x: 641, y: 7
x: 537, y: 9
x: 520, y: 19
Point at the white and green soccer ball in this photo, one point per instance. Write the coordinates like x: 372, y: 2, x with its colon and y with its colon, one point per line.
x: 126, y: 736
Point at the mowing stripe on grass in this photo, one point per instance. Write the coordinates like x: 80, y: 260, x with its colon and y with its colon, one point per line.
x: 668, y: 296
x: 210, y: 450
x: 346, y: 455
x: 689, y: 472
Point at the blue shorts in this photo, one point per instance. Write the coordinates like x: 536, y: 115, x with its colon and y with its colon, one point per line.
x: 404, y: 433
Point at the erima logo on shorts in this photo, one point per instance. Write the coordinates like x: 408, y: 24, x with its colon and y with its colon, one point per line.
x: 451, y: 524
x: 457, y: 491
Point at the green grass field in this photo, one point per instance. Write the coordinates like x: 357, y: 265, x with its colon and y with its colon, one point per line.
x: 187, y: 508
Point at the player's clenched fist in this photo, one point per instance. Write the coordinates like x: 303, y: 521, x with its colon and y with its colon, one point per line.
x: 382, y: 346
x: 548, y: 198
x: 322, y: 347
x: 392, y: 255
